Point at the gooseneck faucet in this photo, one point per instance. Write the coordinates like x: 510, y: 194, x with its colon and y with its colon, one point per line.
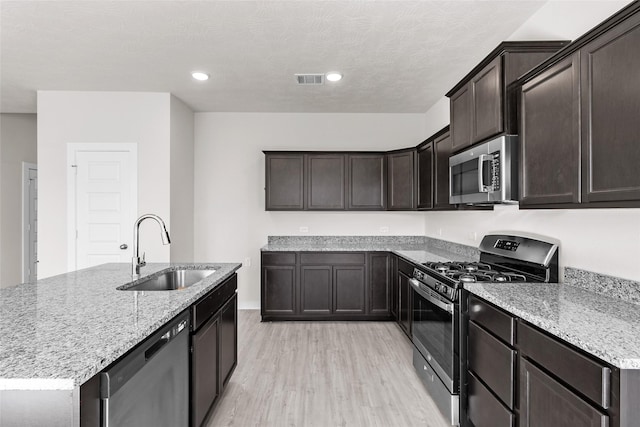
x: 138, y: 262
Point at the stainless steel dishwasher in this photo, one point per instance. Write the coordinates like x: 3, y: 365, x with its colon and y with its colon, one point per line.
x: 150, y: 385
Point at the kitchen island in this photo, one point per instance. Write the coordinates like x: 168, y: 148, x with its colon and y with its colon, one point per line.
x: 59, y: 332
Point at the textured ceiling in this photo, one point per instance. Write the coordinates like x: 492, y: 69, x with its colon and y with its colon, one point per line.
x: 396, y: 56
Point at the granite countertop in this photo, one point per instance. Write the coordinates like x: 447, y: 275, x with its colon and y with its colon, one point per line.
x: 57, y: 333
x: 608, y: 328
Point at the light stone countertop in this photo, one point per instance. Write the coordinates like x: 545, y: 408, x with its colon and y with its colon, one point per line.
x: 608, y: 328
x: 57, y: 333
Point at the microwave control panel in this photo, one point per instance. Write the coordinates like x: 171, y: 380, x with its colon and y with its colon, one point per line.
x: 495, y: 171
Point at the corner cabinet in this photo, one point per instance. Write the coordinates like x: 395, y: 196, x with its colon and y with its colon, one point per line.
x: 579, y: 121
x: 480, y: 106
x: 325, y: 285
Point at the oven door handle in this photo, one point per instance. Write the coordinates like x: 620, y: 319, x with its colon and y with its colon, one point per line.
x: 448, y: 307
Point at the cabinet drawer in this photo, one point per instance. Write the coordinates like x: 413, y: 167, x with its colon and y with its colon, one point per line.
x: 493, y: 362
x: 405, y: 267
x: 278, y: 258
x: 484, y: 410
x: 590, y: 377
x: 493, y: 319
x: 210, y: 303
x: 332, y: 258
x: 546, y: 402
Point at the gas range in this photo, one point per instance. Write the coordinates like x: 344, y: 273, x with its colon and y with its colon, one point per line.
x: 503, y: 258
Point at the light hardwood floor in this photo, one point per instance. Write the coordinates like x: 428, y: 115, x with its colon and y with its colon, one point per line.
x: 323, y: 374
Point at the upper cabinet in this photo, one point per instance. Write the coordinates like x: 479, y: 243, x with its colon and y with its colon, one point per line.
x: 367, y: 182
x: 480, y: 105
x: 401, y: 180
x: 433, y: 171
x: 326, y: 177
x: 579, y: 121
x: 284, y: 181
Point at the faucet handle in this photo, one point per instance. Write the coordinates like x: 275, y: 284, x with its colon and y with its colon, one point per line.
x: 143, y: 261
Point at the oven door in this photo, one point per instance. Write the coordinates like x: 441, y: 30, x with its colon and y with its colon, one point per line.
x: 435, y: 333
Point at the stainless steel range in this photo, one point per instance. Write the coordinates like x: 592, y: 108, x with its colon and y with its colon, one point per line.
x: 436, y: 308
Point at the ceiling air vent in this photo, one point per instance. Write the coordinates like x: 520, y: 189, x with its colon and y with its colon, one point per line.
x: 310, y: 79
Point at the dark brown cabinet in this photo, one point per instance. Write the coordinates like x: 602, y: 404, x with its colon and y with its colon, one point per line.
x: 442, y: 147
x: 401, y: 180
x: 550, y: 136
x: 480, y: 105
x: 284, y: 181
x: 610, y: 66
x: 380, y: 283
x: 326, y: 285
x: 326, y: 183
x: 425, y: 175
x: 279, y: 284
x: 366, y: 182
x: 579, y: 121
x: 490, y: 365
x: 393, y: 296
x: 405, y: 296
x: 214, y: 347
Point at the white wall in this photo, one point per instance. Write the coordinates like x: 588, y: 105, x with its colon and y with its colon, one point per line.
x: 105, y: 117
x: 231, y: 223
x: 601, y: 240
x: 17, y: 145
x: 181, y: 230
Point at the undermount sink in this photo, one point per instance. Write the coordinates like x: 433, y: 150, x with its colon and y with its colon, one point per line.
x: 169, y: 281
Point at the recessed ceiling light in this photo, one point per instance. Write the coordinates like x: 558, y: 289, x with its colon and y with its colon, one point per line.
x: 200, y: 76
x: 333, y: 76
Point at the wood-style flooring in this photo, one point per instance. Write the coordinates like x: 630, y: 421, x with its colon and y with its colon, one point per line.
x: 323, y: 374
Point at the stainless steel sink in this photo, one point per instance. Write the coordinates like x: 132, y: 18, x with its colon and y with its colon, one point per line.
x: 169, y: 281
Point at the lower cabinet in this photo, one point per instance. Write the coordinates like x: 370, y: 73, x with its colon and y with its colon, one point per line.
x: 214, y: 348
x: 325, y: 285
x: 519, y: 375
x: 405, y: 296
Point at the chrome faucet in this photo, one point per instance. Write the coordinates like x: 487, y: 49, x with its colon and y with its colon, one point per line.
x: 137, y: 262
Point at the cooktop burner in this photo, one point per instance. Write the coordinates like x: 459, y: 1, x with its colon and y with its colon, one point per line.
x: 467, y: 272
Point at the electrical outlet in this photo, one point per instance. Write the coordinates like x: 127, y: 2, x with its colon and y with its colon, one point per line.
x: 384, y: 229
x: 247, y: 262
x: 304, y: 229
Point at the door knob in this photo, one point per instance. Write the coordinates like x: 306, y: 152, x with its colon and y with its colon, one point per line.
x: 123, y: 246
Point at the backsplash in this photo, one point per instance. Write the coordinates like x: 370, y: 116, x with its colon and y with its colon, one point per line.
x: 614, y: 287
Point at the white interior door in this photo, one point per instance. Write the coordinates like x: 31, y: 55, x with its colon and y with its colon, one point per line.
x: 30, y: 223
x: 105, y: 206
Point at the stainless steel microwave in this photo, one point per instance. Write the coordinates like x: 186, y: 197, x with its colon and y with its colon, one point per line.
x: 486, y: 173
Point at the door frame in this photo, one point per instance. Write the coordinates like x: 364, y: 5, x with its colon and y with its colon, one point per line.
x: 26, y: 167
x: 72, y: 149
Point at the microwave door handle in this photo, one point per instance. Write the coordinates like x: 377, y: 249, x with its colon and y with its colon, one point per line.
x: 481, y: 159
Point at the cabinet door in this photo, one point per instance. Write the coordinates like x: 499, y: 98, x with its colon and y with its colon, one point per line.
x: 204, y: 377
x: 486, y: 110
x: 367, y: 183
x: 394, y: 292
x: 442, y: 147
x: 401, y: 180
x: 460, y: 107
x: 610, y: 66
x: 405, y: 302
x: 278, y: 289
x: 349, y: 289
x: 315, y: 289
x: 326, y: 181
x: 284, y: 181
x: 379, y: 286
x: 546, y: 402
x: 425, y: 176
x: 228, y: 348
x: 550, y: 136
